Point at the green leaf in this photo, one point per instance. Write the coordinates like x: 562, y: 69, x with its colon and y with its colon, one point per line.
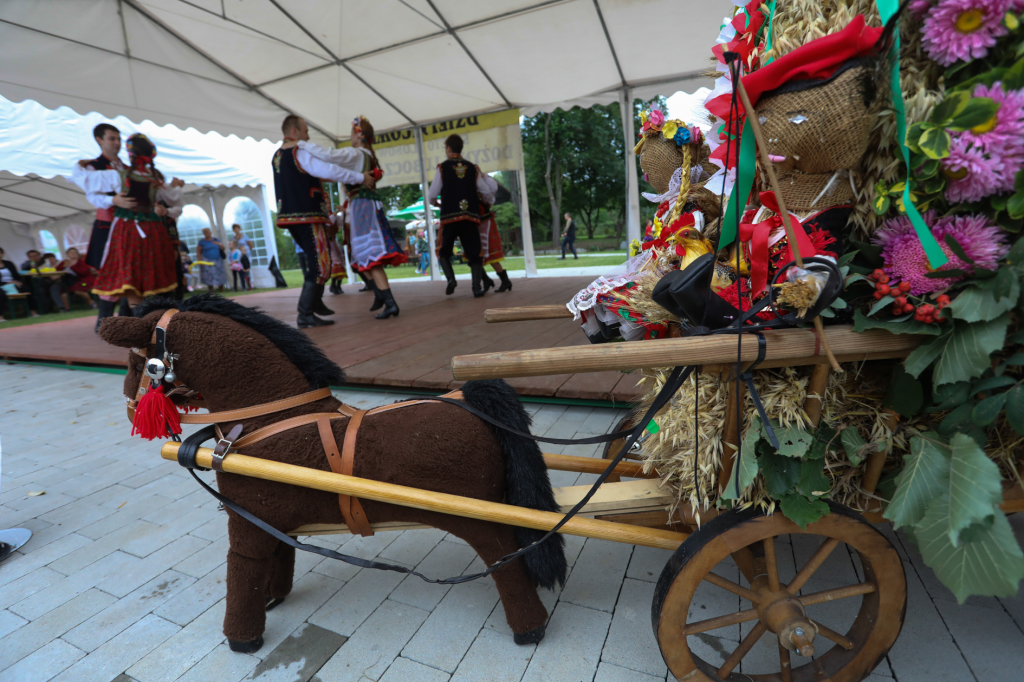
x: 1015, y: 205
x: 871, y: 252
x: 1013, y: 79
x: 793, y: 441
x: 924, y: 355
x: 925, y: 476
x: 965, y: 351
x: 1016, y: 255
x: 914, y: 133
x: 861, y: 323
x: 881, y: 204
x: 975, y: 486
x: 988, y: 383
x: 945, y: 273
x: 744, y: 471
x: 987, y: 410
x: 952, y: 243
x: 1015, y: 408
x: 881, y: 304
x: 958, y: 419
x: 980, y: 304
x: 951, y: 395
x: 853, y: 444
x: 781, y: 474
x: 951, y: 106
x: 929, y: 168
x: 1017, y: 359
x: 905, y: 394
x: 935, y: 143
x: 823, y: 438
x: 989, y: 564
x: 813, y: 481
x: 802, y: 511
x: 1006, y: 283
x: 978, y: 111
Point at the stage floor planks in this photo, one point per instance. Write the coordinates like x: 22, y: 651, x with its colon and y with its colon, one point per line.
x: 413, y: 350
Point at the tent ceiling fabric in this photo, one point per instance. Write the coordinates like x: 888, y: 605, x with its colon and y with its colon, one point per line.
x: 237, y: 66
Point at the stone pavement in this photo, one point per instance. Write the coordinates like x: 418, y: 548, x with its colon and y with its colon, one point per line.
x: 124, y: 578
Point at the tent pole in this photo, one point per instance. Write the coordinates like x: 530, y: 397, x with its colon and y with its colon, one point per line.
x: 428, y: 212
x: 632, y: 183
x: 530, y: 260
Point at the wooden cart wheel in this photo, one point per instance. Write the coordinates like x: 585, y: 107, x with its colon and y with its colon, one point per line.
x: 779, y: 609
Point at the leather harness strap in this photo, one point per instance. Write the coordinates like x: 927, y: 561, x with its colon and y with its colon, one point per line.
x: 351, y: 508
x: 257, y: 410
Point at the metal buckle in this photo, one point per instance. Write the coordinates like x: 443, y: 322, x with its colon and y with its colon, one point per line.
x: 223, y: 447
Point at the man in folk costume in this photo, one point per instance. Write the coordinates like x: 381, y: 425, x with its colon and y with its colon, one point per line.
x: 109, y: 140
x: 461, y: 186
x: 298, y: 183
x: 138, y: 260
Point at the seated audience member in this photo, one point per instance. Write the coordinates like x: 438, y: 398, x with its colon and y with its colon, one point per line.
x: 11, y: 282
x: 57, y: 283
x: 84, y: 275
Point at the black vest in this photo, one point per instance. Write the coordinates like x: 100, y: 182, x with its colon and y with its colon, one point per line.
x: 300, y: 196
x: 360, y: 190
x: 459, y: 198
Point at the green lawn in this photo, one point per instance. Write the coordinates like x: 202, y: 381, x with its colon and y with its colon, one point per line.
x: 294, y: 279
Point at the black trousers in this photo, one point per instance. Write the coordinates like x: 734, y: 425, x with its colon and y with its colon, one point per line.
x: 97, y: 243
x: 467, y: 232
x: 303, y: 236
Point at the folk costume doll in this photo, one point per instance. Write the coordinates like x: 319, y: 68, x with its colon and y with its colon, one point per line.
x: 461, y: 187
x: 138, y: 260
x: 298, y: 183
x: 491, y: 251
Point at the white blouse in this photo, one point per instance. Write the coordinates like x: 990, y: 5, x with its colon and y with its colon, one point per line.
x: 94, y: 181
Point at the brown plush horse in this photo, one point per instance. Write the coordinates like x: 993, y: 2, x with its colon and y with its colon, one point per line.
x: 238, y: 357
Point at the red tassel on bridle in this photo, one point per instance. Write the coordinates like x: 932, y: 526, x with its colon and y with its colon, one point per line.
x: 156, y: 416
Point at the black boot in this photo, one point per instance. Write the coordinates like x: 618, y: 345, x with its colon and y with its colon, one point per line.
x: 390, y: 307
x: 367, y: 286
x: 506, y: 283
x: 449, y: 274
x: 307, y: 299
x: 485, y: 280
x: 318, y: 306
x: 478, y: 278
x: 106, y: 309
x: 378, y: 297
x: 336, y: 287
x: 124, y: 310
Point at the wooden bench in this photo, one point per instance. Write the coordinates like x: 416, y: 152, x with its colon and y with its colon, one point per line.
x: 22, y: 298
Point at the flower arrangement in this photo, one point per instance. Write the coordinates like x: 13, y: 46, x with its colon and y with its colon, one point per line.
x: 654, y: 122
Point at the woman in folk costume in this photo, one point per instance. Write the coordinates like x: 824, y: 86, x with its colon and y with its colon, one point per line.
x: 139, y: 257
x: 371, y: 241
x: 491, y: 250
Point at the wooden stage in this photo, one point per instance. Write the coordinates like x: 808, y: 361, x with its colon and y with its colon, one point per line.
x: 413, y: 350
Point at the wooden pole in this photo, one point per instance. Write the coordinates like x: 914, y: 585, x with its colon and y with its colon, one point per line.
x: 594, y: 465
x: 876, y: 460
x: 433, y: 501
x: 785, y: 347
x: 731, y: 433
x: 769, y: 168
x: 531, y: 312
x: 816, y: 393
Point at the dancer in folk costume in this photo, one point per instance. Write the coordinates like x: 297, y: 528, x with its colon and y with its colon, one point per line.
x: 109, y: 140
x: 370, y: 237
x: 138, y: 260
x: 491, y: 250
x: 461, y: 186
x: 301, y: 208
x: 338, y: 271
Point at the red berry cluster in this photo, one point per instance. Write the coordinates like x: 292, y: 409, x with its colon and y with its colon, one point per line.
x: 926, y: 313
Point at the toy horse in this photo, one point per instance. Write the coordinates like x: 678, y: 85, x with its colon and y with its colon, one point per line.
x: 238, y: 357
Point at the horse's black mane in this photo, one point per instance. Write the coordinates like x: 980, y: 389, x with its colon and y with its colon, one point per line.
x: 298, y: 347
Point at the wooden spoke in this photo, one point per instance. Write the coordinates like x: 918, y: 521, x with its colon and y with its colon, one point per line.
x: 829, y: 633
x: 729, y: 585
x: 838, y: 593
x: 784, y: 665
x: 744, y: 558
x: 815, y: 562
x: 771, y: 564
x: 720, y: 622
x: 745, y: 646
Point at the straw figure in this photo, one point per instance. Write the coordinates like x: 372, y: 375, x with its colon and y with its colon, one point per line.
x: 430, y: 446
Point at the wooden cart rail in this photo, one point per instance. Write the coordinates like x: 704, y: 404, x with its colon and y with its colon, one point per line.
x: 532, y: 312
x: 628, y: 496
x: 785, y: 347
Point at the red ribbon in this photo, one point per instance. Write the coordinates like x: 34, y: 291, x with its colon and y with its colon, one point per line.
x: 757, y: 234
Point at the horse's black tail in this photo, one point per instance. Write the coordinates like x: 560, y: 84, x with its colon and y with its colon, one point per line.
x: 526, y: 476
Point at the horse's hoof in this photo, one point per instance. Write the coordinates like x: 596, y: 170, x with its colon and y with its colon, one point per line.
x: 532, y: 637
x: 272, y: 602
x: 246, y: 647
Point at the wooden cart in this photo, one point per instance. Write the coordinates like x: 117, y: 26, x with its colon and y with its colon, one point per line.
x: 634, y: 512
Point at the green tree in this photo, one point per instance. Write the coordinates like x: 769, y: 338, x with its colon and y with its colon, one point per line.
x: 398, y: 197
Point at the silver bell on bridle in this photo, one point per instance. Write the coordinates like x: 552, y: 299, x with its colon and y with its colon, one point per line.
x: 156, y: 370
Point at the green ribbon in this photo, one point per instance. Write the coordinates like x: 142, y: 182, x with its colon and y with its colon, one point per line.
x: 936, y: 257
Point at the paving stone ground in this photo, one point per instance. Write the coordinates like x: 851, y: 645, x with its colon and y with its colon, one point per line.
x: 123, y: 578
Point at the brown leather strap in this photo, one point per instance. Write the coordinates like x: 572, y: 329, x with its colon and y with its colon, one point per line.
x: 257, y: 410
x: 144, y: 378
x: 224, y: 444
x: 351, y: 509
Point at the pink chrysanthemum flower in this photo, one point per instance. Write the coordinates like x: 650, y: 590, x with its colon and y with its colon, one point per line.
x: 904, y: 256
x: 957, y: 30
x: 919, y: 7
x: 1003, y: 134
x: 972, y: 174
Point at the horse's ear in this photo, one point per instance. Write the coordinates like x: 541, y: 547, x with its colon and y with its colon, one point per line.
x: 126, y: 332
